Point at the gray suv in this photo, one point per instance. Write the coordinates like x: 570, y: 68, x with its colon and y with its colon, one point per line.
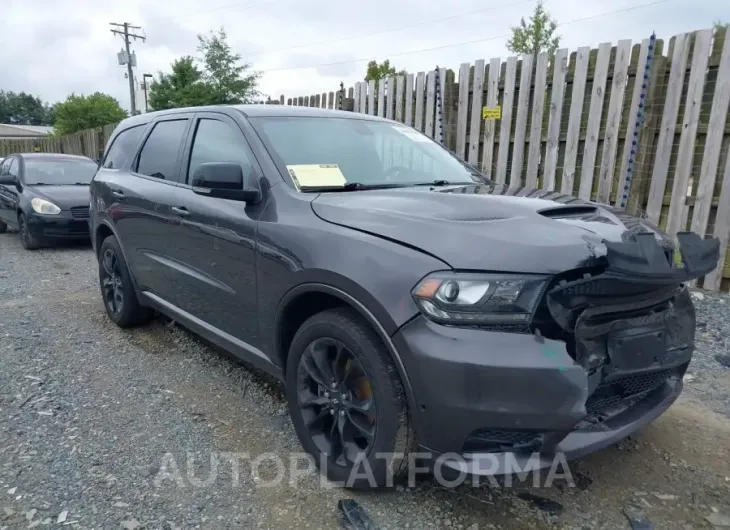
x: 406, y: 302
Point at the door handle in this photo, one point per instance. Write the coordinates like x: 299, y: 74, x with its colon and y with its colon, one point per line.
x: 181, y: 211
x: 118, y: 194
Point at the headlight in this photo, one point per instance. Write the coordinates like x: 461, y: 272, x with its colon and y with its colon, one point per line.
x: 474, y: 299
x: 44, y: 206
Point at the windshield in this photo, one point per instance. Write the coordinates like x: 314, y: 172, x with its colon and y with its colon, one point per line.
x: 57, y: 172
x: 337, y: 151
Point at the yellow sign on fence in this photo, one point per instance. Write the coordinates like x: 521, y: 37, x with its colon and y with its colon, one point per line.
x: 493, y: 113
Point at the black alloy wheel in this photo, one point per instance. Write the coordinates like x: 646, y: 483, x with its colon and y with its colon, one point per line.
x: 347, y: 402
x: 117, y: 288
x: 336, y: 401
x: 111, y: 282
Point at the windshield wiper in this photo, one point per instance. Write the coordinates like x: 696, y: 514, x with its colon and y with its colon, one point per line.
x: 442, y: 183
x: 351, y: 186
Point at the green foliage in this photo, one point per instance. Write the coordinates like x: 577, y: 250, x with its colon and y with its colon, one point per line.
x: 184, y: 87
x: 381, y: 71
x: 535, y: 36
x: 232, y: 82
x: 23, y: 109
x: 719, y: 24
x: 221, y: 78
x: 80, y: 112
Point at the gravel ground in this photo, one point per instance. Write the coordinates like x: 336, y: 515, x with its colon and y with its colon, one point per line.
x: 105, y: 428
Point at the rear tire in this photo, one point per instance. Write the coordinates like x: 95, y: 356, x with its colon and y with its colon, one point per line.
x: 117, y: 289
x: 3, y: 227
x: 26, y: 238
x: 325, y: 413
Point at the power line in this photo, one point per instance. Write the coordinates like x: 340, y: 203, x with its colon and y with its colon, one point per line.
x: 457, y: 44
x: 390, y: 30
x: 128, y: 58
x: 237, y: 6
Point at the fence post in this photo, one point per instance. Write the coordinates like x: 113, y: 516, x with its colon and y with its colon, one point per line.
x: 439, y: 133
x: 646, y: 152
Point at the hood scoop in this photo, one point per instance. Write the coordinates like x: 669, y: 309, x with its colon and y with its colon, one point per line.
x: 483, y: 219
x: 570, y: 212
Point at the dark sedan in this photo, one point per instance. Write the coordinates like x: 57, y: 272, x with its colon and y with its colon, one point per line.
x: 46, y: 197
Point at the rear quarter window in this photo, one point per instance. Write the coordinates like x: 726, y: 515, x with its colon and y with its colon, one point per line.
x: 123, y: 148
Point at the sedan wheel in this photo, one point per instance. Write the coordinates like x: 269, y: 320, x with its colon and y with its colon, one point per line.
x: 26, y: 238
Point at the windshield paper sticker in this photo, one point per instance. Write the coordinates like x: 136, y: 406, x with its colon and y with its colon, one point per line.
x: 316, y: 175
x: 411, y: 134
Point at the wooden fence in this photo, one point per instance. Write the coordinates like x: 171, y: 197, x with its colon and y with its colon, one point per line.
x: 641, y: 126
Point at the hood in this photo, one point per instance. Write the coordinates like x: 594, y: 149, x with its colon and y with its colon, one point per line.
x: 64, y: 197
x: 488, y: 227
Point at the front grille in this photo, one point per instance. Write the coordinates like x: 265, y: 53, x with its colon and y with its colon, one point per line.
x: 624, y: 390
x: 498, y: 440
x: 80, y: 212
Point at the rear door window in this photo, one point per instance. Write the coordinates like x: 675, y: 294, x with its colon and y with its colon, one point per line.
x: 123, y: 148
x: 159, y: 154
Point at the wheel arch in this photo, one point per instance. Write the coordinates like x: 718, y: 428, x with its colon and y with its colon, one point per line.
x: 103, y: 230
x: 328, y: 297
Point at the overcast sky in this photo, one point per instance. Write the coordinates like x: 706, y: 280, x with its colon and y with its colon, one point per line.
x: 54, y: 47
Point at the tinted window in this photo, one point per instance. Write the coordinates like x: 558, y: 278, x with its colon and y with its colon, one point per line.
x: 56, y: 172
x: 4, y: 166
x: 216, y: 141
x: 13, y: 169
x: 159, y: 154
x: 368, y: 152
x: 123, y: 148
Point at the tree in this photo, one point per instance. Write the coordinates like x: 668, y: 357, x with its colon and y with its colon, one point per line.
x: 719, y: 24
x: 81, y: 112
x: 381, y: 71
x: 218, y: 79
x: 232, y: 82
x: 184, y: 87
x: 23, y: 109
x: 535, y: 36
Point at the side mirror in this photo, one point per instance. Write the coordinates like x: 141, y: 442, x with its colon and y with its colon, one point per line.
x: 226, y: 180
x: 8, y: 180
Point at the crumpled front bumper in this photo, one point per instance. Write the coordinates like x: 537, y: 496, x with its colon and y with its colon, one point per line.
x: 579, y: 442
x: 501, y: 401
x: 496, y: 399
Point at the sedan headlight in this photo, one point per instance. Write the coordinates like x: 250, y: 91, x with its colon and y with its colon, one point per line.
x: 474, y: 299
x: 45, y: 207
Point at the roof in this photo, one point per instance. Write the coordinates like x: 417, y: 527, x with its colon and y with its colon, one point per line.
x: 256, y: 111
x: 9, y: 129
x: 50, y: 156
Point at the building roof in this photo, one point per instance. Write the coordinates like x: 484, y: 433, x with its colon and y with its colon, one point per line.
x: 8, y: 129
x: 52, y: 156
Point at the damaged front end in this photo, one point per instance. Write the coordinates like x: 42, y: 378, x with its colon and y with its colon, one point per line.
x: 630, y: 323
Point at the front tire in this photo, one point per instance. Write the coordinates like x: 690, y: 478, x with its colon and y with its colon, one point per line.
x: 26, y: 238
x: 3, y: 227
x: 347, y: 402
x: 117, y: 290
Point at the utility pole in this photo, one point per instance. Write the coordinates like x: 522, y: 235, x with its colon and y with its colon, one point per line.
x: 127, y: 35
